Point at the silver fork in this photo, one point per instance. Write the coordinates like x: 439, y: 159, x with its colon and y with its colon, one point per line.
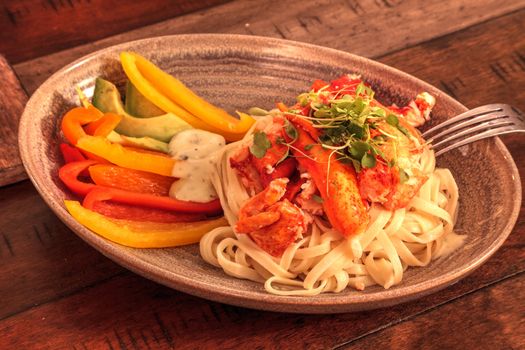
x: 473, y: 125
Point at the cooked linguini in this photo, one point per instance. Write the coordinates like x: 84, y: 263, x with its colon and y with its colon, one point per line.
x: 325, y: 261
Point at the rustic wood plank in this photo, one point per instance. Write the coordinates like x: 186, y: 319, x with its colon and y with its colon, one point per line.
x: 128, y: 312
x: 369, y: 27
x: 64, y: 24
x: 489, y: 319
x: 470, y: 68
x: 40, y: 258
x: 12, y: 101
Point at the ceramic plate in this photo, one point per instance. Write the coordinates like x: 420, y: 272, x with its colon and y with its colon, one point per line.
x: 237, y: 72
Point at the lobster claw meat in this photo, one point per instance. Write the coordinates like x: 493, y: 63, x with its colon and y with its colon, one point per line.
x: 270, y: 220
x: 336, y: 182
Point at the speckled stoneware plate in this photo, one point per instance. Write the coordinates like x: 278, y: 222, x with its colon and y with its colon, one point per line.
x: 237, y: 72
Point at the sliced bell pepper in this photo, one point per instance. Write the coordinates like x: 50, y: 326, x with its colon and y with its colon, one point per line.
x: 176, y: 91
x: 73, y: 121
x: 103, y: 126
x: 282, y: 107
x: 130, y: 180
x: 94, y: 193
x: 152, y: 94
x: 142, y: 234
x: 100, y: 193
x: 73, y: 154
x: 136, y: 213
x: 69, y: 173
x: 153, y: 162
x: 318, y: 84
x: 70, y: 153
x: 171, y: 95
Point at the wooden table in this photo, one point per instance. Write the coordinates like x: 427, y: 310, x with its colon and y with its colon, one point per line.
x: 57, y: 292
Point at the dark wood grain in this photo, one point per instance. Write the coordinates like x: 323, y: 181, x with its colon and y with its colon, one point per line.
x: 57, y: 292
x: 12, y: 101
x: 480, y: 65
x: 40, y: 258
x: 64, y: 24
x: 487, y: 313
x: 369, y: 27
x: 129, y: 312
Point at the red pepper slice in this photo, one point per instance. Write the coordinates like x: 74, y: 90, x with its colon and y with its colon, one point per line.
x: 135, y: 213
x: 151, y: 201
x: 69, y: 175
x: 70, y: 153
x: 318, y: 84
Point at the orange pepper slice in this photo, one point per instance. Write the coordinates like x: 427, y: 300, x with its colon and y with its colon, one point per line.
x: 104, y: 125
x: 130, y: 180
x: 75, y: 118
x: 282, y: 107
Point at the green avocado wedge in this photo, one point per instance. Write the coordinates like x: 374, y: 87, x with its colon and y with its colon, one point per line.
x: 107, y: 99
x: 139, y: 106
x: 140, y: 142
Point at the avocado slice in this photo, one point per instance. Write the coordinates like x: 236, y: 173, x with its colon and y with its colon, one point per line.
x: 140, y: 142
x: 138, y: 105
x: 107, y: 99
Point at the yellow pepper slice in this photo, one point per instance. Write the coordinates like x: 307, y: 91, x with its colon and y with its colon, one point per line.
x: 142, y: 234
x: 171, y: 95
x: 151, y: 93
x: 126, y: 157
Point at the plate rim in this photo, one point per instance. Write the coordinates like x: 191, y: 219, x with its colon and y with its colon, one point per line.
x: 294, y: 304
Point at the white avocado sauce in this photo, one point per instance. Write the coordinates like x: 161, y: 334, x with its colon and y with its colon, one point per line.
x: 192, y: 150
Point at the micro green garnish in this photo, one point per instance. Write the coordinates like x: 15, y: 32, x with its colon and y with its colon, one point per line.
x: 368, y: 161
x: 345, y: 121
x: 392, y: 120
x: 290, y: 130
x: 285, y: 155
x: 260, y: 145
x: 351, y: 126
x: 358, y: 149
x: 281, y: 141
x: 317, y: 198
x: 403, y: 130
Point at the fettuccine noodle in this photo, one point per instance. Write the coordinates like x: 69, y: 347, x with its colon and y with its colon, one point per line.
x: 323, y: 260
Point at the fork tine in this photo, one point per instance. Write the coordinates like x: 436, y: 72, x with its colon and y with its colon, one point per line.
x: 488, y: 133
x: 465, y: 129
x: 482, y: 119
x: 492, y: 108
x: 476, y: 124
